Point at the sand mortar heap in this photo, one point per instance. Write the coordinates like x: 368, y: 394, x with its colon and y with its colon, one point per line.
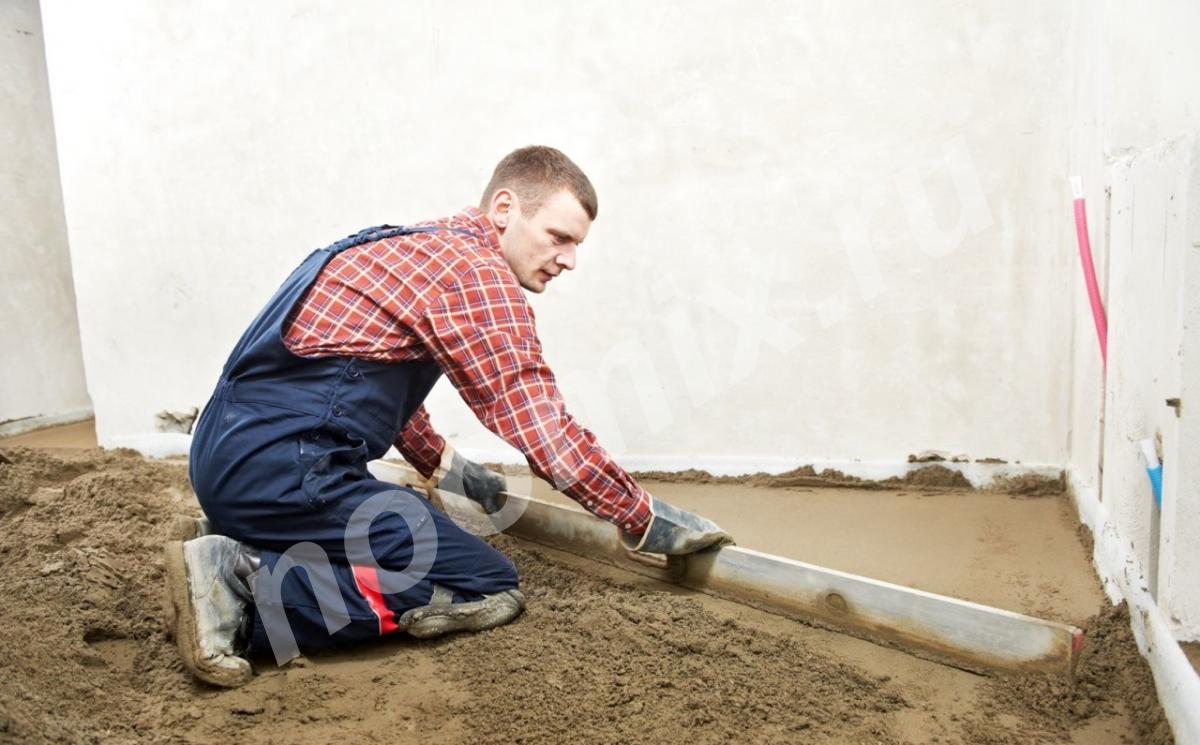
x: 599, y: 655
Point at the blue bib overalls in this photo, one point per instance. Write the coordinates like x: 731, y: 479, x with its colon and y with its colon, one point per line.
x: 280, y: 454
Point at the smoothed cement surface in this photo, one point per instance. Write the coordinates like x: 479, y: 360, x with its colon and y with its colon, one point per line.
x: 1017, y: 553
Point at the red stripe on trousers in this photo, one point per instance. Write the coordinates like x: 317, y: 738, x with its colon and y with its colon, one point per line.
x: 366, y: 579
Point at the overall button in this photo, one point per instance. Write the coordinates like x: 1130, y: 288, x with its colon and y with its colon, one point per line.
x: 337, y: 411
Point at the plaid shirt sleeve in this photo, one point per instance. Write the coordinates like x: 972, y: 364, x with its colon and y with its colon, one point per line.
x: 420, y: 444
x: 483, y: 335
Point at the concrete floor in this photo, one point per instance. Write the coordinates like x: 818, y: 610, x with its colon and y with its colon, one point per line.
x: 1017, y: 553
x: 1011, y: 552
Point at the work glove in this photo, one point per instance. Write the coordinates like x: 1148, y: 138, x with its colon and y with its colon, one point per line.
x: 675, y: 532
x: 472, y: 480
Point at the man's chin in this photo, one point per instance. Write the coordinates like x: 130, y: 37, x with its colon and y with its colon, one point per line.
x: 535, y: 286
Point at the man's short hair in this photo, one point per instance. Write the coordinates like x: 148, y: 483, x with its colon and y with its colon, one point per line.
x: 537, y: 172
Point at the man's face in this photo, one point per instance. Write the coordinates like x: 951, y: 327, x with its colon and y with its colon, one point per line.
x: 539, y: 247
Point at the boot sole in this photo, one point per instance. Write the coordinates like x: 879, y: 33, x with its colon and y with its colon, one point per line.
x: 434, y: 621
x: 181, y: 626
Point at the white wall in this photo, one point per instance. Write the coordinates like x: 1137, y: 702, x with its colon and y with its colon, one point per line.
x: 1179, y: 560
x: 825, y: 229
x: 43, y: 367
x: 1134, y: 134
x: 1134, y: 124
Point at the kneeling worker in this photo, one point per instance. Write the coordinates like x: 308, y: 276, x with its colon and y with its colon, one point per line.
x: 331, y: 373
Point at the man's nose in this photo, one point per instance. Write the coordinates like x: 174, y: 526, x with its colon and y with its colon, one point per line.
x: 566, y: 259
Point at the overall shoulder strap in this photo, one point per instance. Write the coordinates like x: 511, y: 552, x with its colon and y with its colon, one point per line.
x: 382, y: 232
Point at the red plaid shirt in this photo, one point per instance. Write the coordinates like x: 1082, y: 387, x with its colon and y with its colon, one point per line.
x: 451, y: 297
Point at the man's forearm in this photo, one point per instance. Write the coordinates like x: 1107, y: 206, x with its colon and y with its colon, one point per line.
x: 567, y: 455
x: 420, y: 444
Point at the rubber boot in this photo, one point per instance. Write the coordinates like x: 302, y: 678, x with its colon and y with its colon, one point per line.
x: 442, y: 617
x: 208, y: 595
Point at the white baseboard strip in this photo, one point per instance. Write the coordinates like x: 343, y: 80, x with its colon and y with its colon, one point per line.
x: 980, y: 475
x: 31, y: 423
x: 1175, y: 679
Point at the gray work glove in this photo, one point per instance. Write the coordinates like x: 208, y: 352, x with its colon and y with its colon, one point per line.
x: 472, y: 480
x: 675, y: 532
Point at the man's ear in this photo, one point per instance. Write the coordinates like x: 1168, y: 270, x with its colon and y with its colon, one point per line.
x: 504, y: 208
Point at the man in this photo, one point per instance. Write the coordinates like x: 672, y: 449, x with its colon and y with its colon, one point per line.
x: 331, y: 373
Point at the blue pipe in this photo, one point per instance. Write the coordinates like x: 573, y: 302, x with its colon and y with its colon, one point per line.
x: 1156, y: 481
x: 1153, y: 468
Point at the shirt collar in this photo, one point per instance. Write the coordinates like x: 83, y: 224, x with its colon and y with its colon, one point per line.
x: 479, y: 221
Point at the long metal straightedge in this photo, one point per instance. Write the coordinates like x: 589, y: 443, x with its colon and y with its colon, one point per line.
x: 949, y: 630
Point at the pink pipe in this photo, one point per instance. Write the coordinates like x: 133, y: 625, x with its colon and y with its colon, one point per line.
x: 1089, y: 269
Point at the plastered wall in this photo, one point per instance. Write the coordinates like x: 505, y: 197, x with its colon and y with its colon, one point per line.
x: 42, y: 370
x: 827, y: 231
x: 824, y: 230
x: 1135, y: 118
